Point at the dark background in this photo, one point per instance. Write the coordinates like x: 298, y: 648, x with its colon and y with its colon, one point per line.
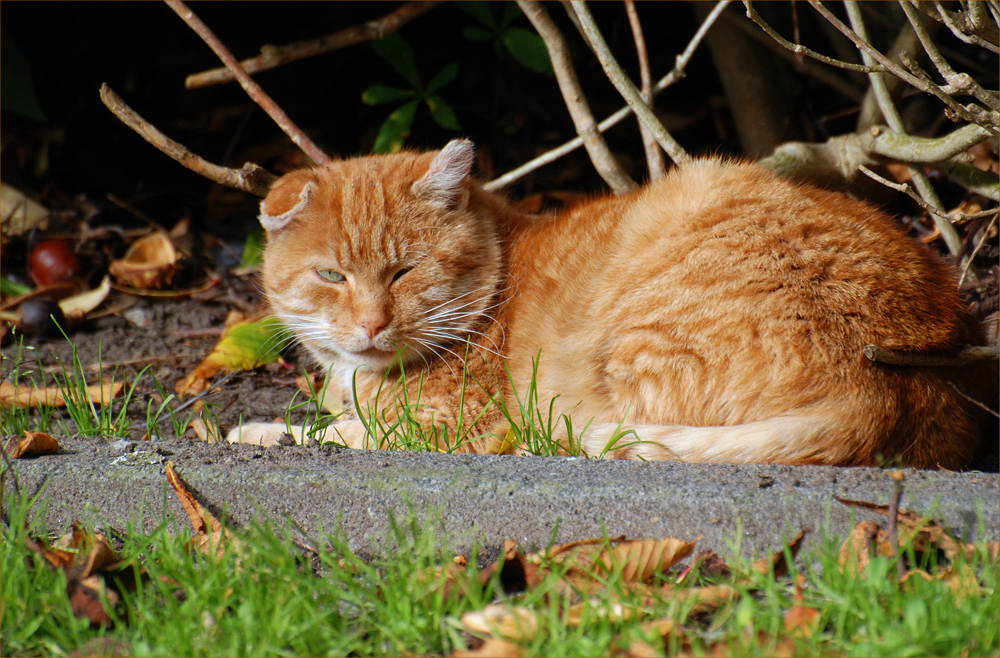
x: 144, y: 51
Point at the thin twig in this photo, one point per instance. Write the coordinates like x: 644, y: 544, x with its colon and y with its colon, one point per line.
x: 677, y: 73
x: 925, y: 360
x: 945, y: 17
x: 576, y: 102
x: 250, y: 178
x: 904, y: 188
x: 962, y: 82
x: 654, y: 156
x: 985, y: 119
x: 979, y: 245
x: 273, y: 56
x: 974, y: 400
x: 252, y: 88
x: 799, y: 49
x: 625, y: 87
x: 891, y: 114
x: 806, y: 67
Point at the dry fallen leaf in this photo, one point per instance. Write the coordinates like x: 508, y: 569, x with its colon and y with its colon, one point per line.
x: 18, y: 213
x: 499, y: 620
x: 246, y: 346
x: 34, y: 444
x: 12, y: 395
x: 516, y: 572
x: 778, y: 561
x: 210, y: 536
x: 801, y: 621
x: 85, y: 302
x: 92, y: 571
x: 150, y: 262
x: 493, y: 647
x: 639, y: 560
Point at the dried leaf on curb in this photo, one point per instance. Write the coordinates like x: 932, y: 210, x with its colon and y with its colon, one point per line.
x: 492, y: 647
x: 246, y: 346
x: 34, y: 444
x: 210, y: 537
x: 12, y: 395
x: 639, y: 560
x: 778, y: 561
x: 500, y: 620
x: 857, y: 548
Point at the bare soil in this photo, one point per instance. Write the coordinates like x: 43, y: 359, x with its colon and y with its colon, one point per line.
x: 164, y: 338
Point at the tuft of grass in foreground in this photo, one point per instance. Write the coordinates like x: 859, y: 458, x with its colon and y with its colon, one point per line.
x: 265, y: 596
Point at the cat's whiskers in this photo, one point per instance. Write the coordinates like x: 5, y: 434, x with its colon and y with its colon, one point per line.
x: 431, y: 347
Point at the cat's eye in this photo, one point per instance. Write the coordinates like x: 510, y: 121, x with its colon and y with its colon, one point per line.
x: 399, y: 274
x: 331, y: 276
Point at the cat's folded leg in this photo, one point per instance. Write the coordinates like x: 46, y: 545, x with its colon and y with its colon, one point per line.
x: 350, y: 433
x: 805, y: 438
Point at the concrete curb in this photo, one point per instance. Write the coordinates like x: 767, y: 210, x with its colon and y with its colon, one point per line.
x: 488, y: 499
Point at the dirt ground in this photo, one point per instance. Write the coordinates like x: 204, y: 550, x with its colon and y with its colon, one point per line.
x: 168, y: 337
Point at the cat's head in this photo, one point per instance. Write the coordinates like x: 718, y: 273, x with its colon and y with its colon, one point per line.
x: 380, y: 253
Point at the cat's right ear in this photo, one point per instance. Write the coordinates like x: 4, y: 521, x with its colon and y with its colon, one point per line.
x: 287, y: 199
x: 447, y: 180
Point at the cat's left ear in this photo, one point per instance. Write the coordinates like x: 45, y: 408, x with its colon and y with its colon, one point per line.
x: 447, y: 180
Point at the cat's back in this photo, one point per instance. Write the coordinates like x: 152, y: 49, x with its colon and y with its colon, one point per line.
x: 739, y: 238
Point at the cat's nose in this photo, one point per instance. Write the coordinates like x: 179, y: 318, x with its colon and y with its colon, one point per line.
x: 373, y: 324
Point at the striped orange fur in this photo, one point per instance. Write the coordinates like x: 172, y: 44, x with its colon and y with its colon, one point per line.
x: 720, y: 312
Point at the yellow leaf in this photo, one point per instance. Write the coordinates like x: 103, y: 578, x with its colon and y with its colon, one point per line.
x: 507, y: 622
x: 246, y: 346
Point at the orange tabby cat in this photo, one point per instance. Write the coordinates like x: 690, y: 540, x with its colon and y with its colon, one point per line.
x: 721, y: 312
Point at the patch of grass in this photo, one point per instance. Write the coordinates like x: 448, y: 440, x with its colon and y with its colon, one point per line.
x: 266, y: 596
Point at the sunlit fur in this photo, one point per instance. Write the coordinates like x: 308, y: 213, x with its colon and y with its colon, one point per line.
x: 721, y: 311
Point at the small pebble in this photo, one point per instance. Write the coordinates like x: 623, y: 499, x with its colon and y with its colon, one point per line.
x: 286, y: 439
x: 122, y: 445
x: 138, y: 316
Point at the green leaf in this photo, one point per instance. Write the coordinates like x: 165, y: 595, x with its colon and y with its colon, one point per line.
x: 13, y: 288
x: 510, y: 12
x: 381, y: 94
x: 477, y: 34
x: 399, y: 54
x: 479, y: 10
x: 443, y: 78
x: 442, y: 113
x: 17, y: 90
x: 395, y: 129
x: 253, y: 249
x: 528, y: 49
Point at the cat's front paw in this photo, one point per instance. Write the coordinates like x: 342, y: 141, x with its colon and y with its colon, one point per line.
x: 258, y: 434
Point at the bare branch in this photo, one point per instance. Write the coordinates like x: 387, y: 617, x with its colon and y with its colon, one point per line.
x: 654, y: 156
x: 252, y: 88
x: 961, y: 82
x: 273, y: 56
x: 250, y: 178
x: 625, y: 87
x: 806, y: 67
x: 799, y: 49
x: 909, y: 148
x: 891, y: 114
x: 919, y: 359
x: 576, y: 103
x: 677, y: 73
x: 988, y: 122
x: 985, y: 36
